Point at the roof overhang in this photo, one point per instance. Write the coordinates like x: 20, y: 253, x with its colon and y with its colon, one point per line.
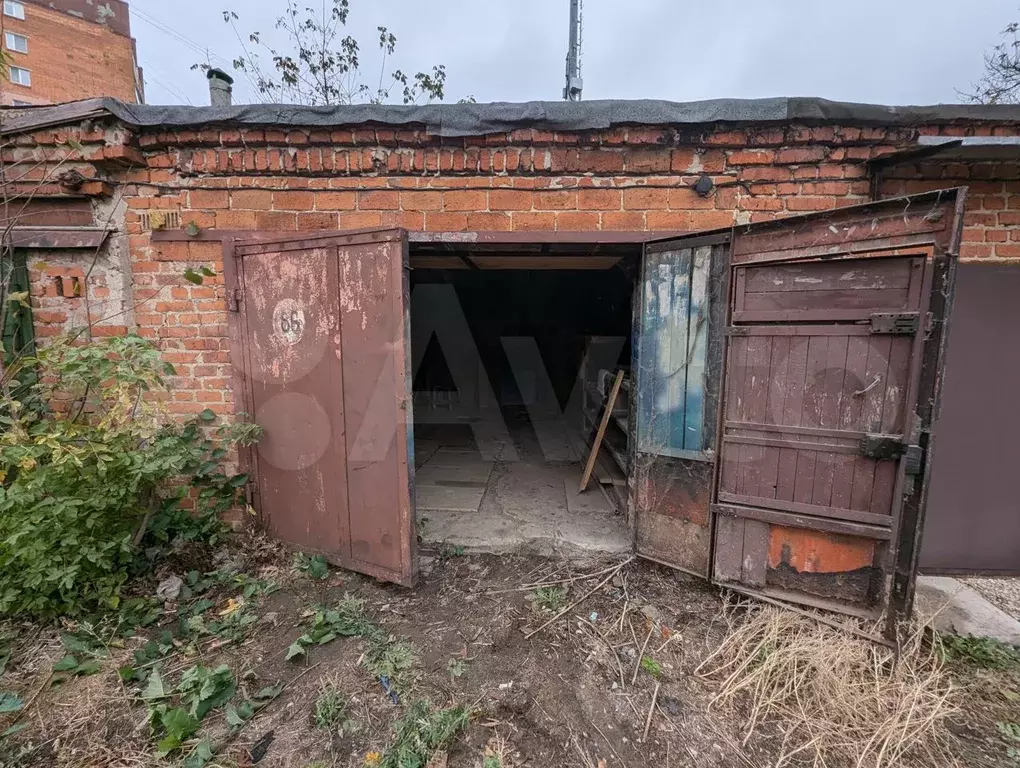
x: 452, y: 120
x: 955, y: 149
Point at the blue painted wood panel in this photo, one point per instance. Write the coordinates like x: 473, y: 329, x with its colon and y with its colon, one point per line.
x: 672, y: 349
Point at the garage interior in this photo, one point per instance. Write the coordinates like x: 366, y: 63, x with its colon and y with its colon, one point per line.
x: 513, y: 352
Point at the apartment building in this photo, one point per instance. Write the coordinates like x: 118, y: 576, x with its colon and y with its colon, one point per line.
x: 63, y: 50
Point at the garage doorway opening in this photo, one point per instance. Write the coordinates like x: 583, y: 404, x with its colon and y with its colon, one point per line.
x: 513, y: 350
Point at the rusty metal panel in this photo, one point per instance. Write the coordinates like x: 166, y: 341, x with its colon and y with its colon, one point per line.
x: 973, y: 519
x: 827, y: 358
x: 322, y: 340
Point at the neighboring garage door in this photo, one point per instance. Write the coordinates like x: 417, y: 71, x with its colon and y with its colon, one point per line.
x: 973, y: 522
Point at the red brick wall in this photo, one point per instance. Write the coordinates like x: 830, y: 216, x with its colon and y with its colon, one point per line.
x: 631, y: 179
x: 991, y: 222
x: 69, y: 59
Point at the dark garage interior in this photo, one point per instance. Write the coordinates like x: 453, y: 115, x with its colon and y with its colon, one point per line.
x: 507, y: 345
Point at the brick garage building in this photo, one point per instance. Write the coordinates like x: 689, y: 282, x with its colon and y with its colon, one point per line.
x: 153, y: 191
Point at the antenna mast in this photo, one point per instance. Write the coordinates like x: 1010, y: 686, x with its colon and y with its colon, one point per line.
x: 574, y: 83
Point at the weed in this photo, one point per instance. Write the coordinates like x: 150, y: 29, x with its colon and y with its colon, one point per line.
x: 983, y: 652
x: 456, y: 667
x: 651, y: 666
x: 85, y: 648
x: 232, y: 623
x: 391, y: 662
x: 420, y: 732
x: 550, y: 598
x: 177, y: 711
x: 330, y: 710
x: 450, y: 551
x: 87, y: 493
x: 327, y: 624
x: 312, y: 566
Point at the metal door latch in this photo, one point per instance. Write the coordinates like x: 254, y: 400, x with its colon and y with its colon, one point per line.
x: 881, y: 447
x: 898, y: 323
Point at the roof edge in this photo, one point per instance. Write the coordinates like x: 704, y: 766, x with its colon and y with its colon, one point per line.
x: 500, y: 117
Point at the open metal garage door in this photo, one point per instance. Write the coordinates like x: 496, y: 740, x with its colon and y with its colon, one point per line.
x: 831, y: 361
x: 320, y: 337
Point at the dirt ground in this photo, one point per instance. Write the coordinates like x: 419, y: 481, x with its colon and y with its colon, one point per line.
x: 572, y: 692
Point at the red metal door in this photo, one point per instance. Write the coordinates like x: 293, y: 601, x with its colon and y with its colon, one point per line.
x: 831, y: 376
x: 321, y: 340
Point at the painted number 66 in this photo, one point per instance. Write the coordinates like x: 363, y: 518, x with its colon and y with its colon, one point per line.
x: 291, y: 323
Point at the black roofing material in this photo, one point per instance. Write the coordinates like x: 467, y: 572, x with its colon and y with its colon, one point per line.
x: 500, y: 117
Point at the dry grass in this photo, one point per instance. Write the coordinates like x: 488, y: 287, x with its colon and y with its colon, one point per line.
x: 839, y: 699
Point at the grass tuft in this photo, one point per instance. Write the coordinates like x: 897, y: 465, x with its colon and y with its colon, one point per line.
x: 550, y: 599
x: 839, y: 699
x: 420, y: 732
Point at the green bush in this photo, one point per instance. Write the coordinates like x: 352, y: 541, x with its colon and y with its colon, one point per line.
x: 93, y: 471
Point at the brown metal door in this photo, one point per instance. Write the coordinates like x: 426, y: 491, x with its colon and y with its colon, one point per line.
x: 832, y: 365
x: 321, y: 334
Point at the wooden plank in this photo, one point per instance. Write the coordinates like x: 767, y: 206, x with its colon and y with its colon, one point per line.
x: 697, y: 351
x: 838, y: 314
x: 803, y: 445
x: 806, y: 509
x: 830, y: 235
x: 847, y: 274
x: 607, y: 412
x: 784, y: 429
x: 829, y: 301
x: 826, y: 525
x: 861, y: 329
x: 832, y: 393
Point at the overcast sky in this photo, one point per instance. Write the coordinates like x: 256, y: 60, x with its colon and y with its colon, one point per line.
x: 879, y: 51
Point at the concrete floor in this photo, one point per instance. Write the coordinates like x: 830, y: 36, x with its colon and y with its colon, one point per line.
x: 514, y: 499
x: 953, y: 606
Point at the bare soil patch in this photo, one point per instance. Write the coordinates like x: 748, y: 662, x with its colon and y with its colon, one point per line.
x: 579, y: 692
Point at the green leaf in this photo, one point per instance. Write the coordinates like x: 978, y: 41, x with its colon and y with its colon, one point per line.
x: 237, y: 716
x: 208, y: 272
x: 154, y: 688
x: 13, y: 730
x: 207, y: 415
x: 200, y: 607
x: 89, y: 667
x: 296, y: 649
x: 167, y: 745
x: 127, y: 674
x: 66, y: 664
x: 270, y: 692
x: 179, y: 724
x: 10, y: 702
x: 200, y: 756
x: 192, y: 276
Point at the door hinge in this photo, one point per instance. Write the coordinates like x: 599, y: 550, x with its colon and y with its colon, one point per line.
x: 898, y: 323
x: 251, y: 490
x: 234, y: 299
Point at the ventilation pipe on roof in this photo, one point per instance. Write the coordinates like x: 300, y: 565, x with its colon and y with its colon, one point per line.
x: 220, y: 88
